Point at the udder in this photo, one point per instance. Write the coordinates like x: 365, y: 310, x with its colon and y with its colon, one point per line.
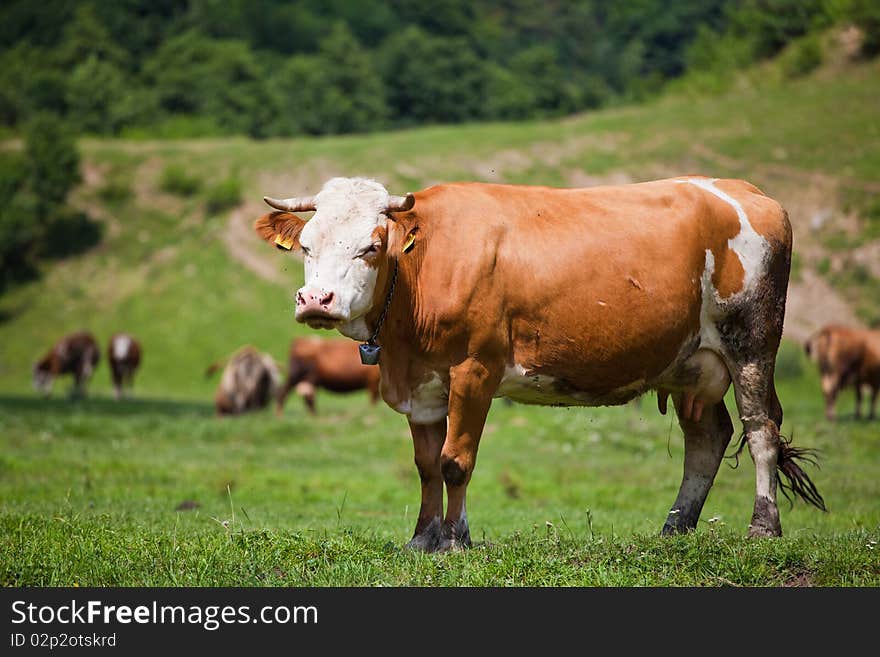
x: 704, y: 382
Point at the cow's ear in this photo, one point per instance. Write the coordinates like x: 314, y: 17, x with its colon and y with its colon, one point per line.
x: 281, y: 229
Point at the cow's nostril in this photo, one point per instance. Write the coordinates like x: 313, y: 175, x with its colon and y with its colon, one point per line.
x: 327, y: 299
x: 300, y: 300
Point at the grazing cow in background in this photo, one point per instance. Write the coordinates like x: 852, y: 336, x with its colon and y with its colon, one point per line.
x: 124, y: 356
x: 250, y: 380
x: 332, y: 364
x: 846, y: 357
x: 548, y: 296
x: 77, y: 354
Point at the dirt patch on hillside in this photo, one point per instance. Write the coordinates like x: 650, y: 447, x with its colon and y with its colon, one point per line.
x: 84, y: 199
x: 246, y: 248
x: 239, y: 237
x: 812, y: 303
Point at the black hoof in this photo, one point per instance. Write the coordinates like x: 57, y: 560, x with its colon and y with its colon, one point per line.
x: 455, y: 536
x: 428, y: 540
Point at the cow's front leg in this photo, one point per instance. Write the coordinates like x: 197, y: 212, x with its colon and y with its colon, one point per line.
x: 427, y: 443
x: 471, y: 387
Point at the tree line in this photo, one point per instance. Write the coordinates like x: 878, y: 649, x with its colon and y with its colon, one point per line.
x: 269, y: 68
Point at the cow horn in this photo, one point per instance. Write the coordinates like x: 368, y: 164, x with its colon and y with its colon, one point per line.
x: 400, y: 203
x: 304, y: 204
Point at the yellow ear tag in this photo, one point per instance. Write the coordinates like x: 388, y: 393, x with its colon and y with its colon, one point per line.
x: 282, y: 243
x: 409, y: 242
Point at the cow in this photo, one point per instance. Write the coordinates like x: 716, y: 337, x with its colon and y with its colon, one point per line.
x: 846, y: 356
x: 124, y: 356
x: 589, y: 297
x: 76, y: 354
x: 331, y: 364
x: 250, y: 381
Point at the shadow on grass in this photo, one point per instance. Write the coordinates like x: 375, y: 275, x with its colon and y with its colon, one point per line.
x: 60, y: 405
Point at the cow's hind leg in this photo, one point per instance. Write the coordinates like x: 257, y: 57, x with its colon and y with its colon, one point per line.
x: 830, y: 387
x: 751, y: 386
x: 761, y: 415
x: 704, y: 444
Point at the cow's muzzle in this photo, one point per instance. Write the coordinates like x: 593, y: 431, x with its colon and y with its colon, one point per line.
x: 317, y: 309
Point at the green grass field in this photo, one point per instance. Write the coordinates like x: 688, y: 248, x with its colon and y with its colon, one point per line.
x: 560, y: 497
x: 89, y: 490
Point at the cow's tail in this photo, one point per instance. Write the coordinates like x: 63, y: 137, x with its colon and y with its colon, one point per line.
x: 214, y: 367
x: 797, y: 482
x: 794, y: 481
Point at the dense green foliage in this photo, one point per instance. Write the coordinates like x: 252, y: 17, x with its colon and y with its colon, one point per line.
x: 35, y: 221
x: 275, y: 68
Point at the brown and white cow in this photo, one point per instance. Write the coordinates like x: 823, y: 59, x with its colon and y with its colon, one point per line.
x: 124, y: 356
x: 847, y: 356
x: 250, y: 381
x: 76, y: 354
x: 558, y: 297
x: 331, y: 364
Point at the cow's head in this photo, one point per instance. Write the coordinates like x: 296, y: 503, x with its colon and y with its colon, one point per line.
x: 42, y: 376
x: 344, y: 247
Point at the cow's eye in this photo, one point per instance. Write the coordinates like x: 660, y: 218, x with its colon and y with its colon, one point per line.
x: 370, y: 250
x: 305, y: 250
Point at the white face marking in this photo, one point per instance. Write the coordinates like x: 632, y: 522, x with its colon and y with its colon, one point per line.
x: 348, y: 212
x: 751, y: 248
x: 121, y: 345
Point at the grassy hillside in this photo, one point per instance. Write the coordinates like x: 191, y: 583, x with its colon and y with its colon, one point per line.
x: 164, y: 270
x: 89, y: 489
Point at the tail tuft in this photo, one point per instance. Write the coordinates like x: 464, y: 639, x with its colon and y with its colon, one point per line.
x: 799, y: 483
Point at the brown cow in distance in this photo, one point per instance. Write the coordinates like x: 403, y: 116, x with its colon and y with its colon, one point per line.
x: 124, y: 356
x: 548, y: 296
x: 331, y: 364
x: 846, y: 356
x: 250, y: 381
x: 76, y: 354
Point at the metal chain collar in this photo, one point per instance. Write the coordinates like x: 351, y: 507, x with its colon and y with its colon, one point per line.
x: 372, y: 339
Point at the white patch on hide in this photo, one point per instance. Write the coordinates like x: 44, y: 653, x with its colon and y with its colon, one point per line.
x: 751, y: 248
x: 709, y: 336
x: 518, y: 384
x: 121, y: 345
x: 429, y: 401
